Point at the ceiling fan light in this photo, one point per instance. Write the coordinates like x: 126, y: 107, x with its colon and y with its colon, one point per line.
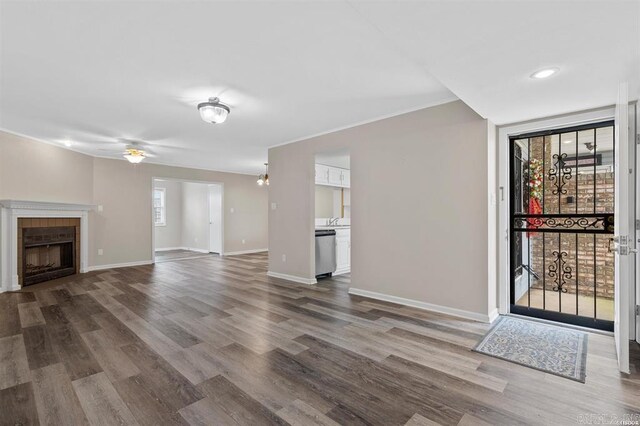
x: 213, y: 111
x: 134, y: 156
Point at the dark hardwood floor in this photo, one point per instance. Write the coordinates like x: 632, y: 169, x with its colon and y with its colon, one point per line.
x: 215, y: 341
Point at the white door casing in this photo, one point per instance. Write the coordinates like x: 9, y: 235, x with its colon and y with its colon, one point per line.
x: 623, y: 262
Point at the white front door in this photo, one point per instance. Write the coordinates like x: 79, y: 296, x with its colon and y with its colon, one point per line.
x: 215, y: 219
x: 623, y: 232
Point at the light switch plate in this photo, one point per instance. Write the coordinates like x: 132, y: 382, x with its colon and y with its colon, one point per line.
x: 274, y: 206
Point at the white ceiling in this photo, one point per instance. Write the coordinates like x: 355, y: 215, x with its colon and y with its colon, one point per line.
x: 104, y: 73
x: 97, y: 72
x: 485, y: 51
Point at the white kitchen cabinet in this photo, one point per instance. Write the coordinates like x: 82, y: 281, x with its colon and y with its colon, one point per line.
x: 346, y: 178
x: 322, y: 174
x: 343, y: 251
x: 333, y: 176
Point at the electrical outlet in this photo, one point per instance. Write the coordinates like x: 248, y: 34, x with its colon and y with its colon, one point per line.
x: 100, y: 252
x: 284, y: 257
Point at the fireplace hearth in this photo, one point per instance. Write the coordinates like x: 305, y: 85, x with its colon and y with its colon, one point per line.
x: 48, y: 253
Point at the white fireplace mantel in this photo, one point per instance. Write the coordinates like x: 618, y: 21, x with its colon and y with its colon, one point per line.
x: 11, y: 210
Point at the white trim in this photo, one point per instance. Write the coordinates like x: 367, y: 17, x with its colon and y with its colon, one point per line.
x: 475, y: 316
x: 235, y: 253
x: 44, y: 205
x: 197, y: 250
x: 446, y: 100
x: 502, y: 233
x: 119, y: 265
x: 183, y: 248
x: 301, y: 280
x: 493, y: 315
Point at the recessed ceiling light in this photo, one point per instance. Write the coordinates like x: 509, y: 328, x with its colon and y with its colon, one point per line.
x: 544, y: 73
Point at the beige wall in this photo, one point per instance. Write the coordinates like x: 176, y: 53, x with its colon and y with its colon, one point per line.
x: 419, y: 185
x: 195, y: 214
x: 324, y: 201
x: 170, y: 235
x: 43, y: 172
x: 35, y: 171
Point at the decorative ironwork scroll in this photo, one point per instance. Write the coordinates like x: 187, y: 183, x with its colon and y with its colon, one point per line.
x: 575, y: 223
x: 560, y: 173
x: 560, y: 271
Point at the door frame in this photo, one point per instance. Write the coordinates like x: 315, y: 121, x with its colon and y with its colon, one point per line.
x: 153, y: 227
x: 504, y: 132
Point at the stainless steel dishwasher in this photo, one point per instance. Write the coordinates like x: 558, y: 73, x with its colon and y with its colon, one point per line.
x: 325, y: 252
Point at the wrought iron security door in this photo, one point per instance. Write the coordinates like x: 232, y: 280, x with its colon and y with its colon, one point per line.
x: 561, y: 224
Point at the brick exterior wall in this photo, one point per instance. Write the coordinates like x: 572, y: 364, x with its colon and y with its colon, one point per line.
x: 579, y: 247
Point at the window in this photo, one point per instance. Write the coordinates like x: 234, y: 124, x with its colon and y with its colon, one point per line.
x: 159, y: 207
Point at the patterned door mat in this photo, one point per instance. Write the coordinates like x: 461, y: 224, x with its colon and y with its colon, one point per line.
x: 549, y: 348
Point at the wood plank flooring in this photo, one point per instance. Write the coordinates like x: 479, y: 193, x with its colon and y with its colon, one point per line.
x: 214, y: 341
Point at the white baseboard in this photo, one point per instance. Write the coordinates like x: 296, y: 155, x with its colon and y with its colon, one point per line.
x: 183, y: 248
x: 422, y: 305
x: 301, y: 280
x: 235, y: 253
x: 196, y: 250
x: 119, y: 265
x: 341, y: 272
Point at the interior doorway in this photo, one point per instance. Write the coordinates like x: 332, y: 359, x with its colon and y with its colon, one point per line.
x: 187, y: 219
x: 561, y: 225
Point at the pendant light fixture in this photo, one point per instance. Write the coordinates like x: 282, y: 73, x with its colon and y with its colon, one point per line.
x: 264, y: 179
x: 213, y: 111
x: 134, y: 155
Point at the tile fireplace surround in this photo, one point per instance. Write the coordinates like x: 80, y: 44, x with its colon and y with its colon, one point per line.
x: 11, y: 210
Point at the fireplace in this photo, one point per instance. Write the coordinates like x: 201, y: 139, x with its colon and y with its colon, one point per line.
x: 18, y: 215
x: 48, y: 253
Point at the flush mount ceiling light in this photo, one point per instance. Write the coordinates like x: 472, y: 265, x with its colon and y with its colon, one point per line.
x: 544, y: 73
x: 213, y: 111
x: 134, y: 155
x: 264, y: 179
